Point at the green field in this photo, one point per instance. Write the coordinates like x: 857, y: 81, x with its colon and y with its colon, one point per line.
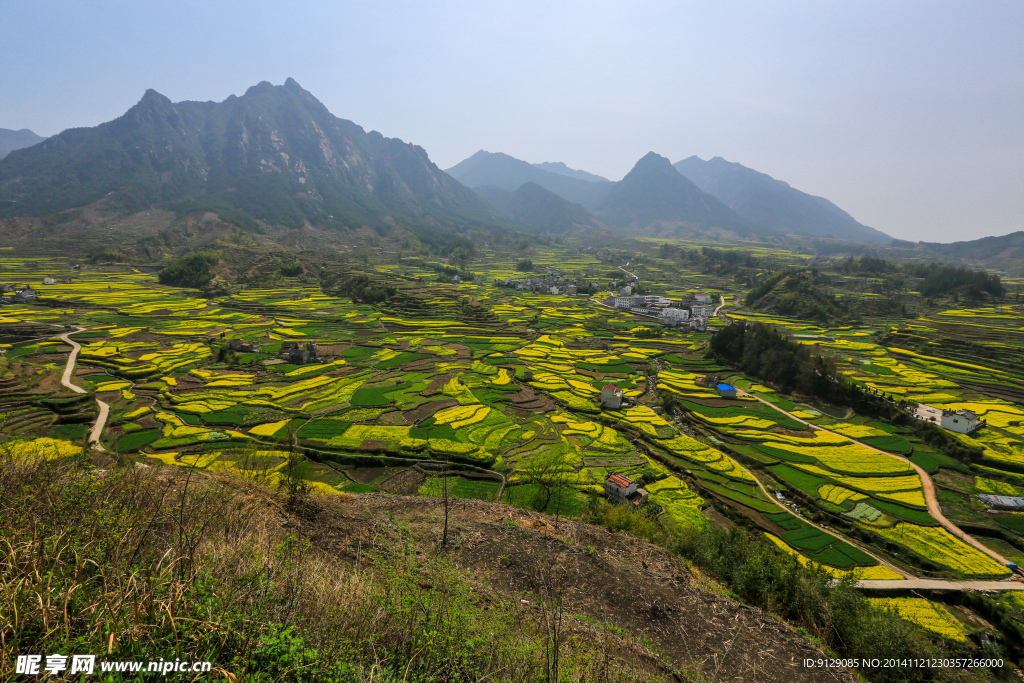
x: 490, y: 383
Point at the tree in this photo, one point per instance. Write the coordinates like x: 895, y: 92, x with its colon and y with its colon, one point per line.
x: 548, y: 471
x: 190, y: 270
x: 460, y: 255
x: 444, y: 481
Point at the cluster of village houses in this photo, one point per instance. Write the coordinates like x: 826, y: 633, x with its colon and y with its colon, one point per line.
x: 669, y: 311
x: 17, y: 294
x: 553, y: 282
x: 296, y: 353
x: 24, y: 294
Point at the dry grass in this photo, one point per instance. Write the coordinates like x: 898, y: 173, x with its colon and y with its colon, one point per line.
x: 143, y: 563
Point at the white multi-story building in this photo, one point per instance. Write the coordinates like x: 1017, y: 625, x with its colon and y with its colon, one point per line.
x: 629, y: 301
x: 706, y: 310
x: 675, y: 316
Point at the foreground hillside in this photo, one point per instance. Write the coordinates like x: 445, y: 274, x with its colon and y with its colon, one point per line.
x: 260, y: 581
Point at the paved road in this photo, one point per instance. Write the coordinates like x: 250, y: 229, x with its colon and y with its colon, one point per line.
x: 941, y: 585
x: 69, y: 369
x: 926, y: 481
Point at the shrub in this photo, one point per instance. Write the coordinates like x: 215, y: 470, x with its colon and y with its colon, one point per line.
x: 190, y: 270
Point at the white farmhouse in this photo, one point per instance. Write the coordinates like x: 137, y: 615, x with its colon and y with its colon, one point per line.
x: 621, y: 489
x: 611, y: 397
x: 962, y: 421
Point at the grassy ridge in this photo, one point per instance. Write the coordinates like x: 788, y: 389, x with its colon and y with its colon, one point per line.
x: 146, y: 564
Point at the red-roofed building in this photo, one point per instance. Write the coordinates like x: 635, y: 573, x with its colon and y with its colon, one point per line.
x: 619, y: 488
x: 611, y: 397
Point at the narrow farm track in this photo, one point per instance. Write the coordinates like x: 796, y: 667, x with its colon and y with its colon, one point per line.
x: 926, y: 481
x: 721, y: 305
x: 941, y: 585
x: 834, y: 534
x: 69, y: 369
x: 627, y: 272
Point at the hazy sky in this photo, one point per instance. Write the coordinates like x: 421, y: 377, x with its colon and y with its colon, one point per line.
x: 909, y: 115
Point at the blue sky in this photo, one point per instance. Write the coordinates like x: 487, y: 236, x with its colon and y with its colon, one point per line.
x: 909, y: 115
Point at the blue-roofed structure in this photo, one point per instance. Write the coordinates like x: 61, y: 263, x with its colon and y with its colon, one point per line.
x: 726, y: 390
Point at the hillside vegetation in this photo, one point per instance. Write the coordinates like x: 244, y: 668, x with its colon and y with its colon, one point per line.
x: 797, y: 294
x: 287, y: 585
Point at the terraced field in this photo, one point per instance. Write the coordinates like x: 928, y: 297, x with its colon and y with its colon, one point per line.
x: 499, y: 388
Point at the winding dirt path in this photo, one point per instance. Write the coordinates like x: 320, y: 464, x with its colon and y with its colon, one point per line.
x: 834, y: 534
x: 942, y: 585
x: 69, y: 369
x: 721, y: 305
x: 926, y: 481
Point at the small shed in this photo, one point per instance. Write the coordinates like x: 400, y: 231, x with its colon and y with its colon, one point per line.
x: 243, y: 346
x: 726, y: 390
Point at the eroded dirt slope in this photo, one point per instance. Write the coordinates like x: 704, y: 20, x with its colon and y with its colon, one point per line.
x: 606, y: 577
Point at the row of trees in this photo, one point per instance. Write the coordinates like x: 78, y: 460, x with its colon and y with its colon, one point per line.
x: 937, y: 279
x: 364, y: 290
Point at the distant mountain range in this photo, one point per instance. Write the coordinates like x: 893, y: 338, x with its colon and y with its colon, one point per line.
x: 11, y: 140
x: 535, y: 207
x: 508, y: 173
x: 773, y: 203
x: 653, y: 197
x: 1003, y: 252
x: 705, y: 196
x: 275, y: 153
x: 655, y: 194
x: 561, y: 169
